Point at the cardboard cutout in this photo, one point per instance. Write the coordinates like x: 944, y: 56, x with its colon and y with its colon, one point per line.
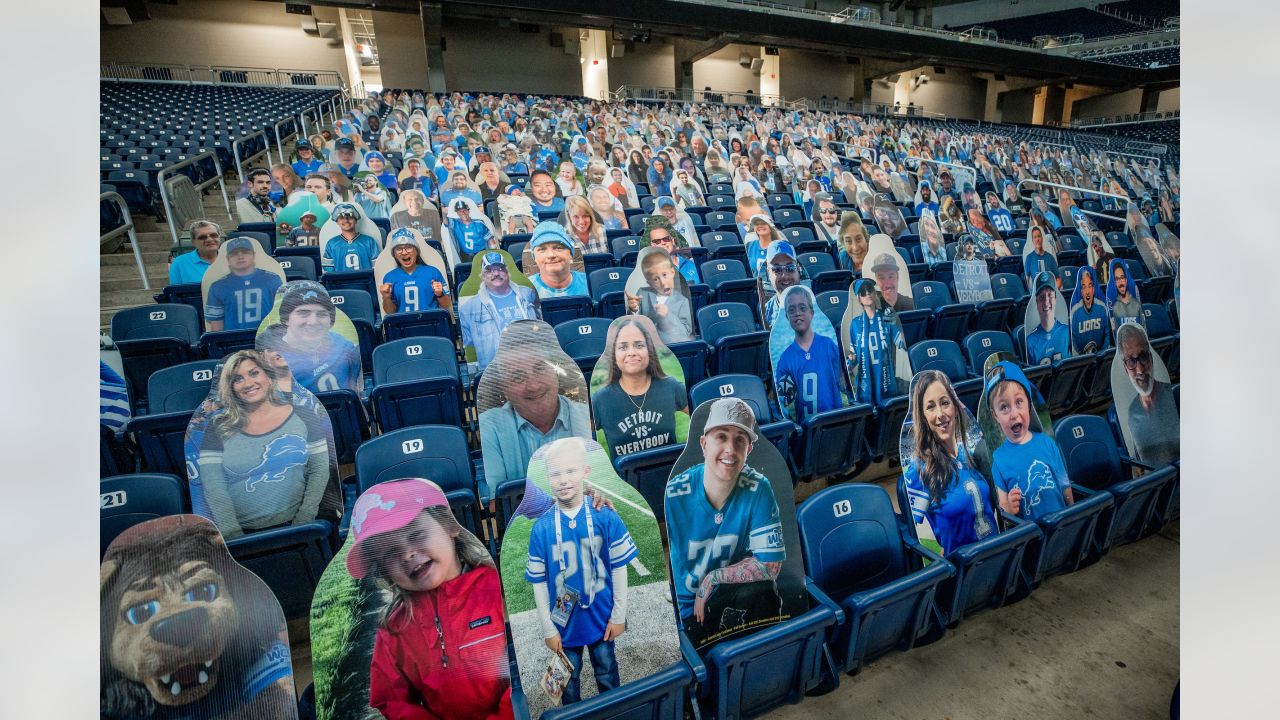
x: 888, y: 218
x: 337, y: 253
x: 951, y: 217
x: 530, y: 386
x: 493, y: 296
x: 987, y: 241
x: 305, y: 215
x: 931, y: 241
x: 1034, y: 262
x: 414, y: 210
x: 1170, y: 246
x: 320, y: 344
x: 875, y: 351
x: 259, y: 450
x: 656, y: 290
x: 866, y: 199
x: 657, y: 414
x: 952, y: 499
x: 462, y: 244
x: 808, y: 364
x: 186, y: 630
x: 1144, y: 402
x: 411, y: 290
x: 972, y: 281
x: 1000, y: 217
x: 1145, y: 241
x: 902, y: 191
x: 1123, y: 301
x: 1100, y: 256
x: 407, y: 617
x: 569, y: 570
x: 886, y: 267
x: 734, y: 547
x: 1027, y: 466
x: 1046, y: 321
x: 1090, y: 322
x: 239, y: 288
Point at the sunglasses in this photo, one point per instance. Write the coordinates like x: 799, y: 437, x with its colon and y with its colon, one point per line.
x: 789, y: 268
x: 827, y: 211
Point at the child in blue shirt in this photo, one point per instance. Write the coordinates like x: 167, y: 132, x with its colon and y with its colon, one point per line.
x: 1028, y: 468
x: 470, y: 237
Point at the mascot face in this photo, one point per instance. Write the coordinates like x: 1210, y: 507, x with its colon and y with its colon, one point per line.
x: 171, y: 627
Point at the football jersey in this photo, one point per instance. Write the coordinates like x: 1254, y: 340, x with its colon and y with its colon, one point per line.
x: 1090, y: 329
x: 965, y: 512
x: 1037, y: 468
x: 335, y: 367
x: 241, y: 301
x: 874, y: 342
x: 1035, y: 264
x: 704, y: 539
x: 470, y: 238
x: 590, y: 552
x: 344, y: 256
x: 412, y: 291
x: 1001, y: 220
x: 809, y: 381
x: 1044, y: 348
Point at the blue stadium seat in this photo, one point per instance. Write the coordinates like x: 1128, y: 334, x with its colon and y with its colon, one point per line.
x: 831, y: 281
x: 636, y: 222
x: 184, y: 294
x: 556, y: 310
x: 950, y: 319
x: 335, y: 280
x: 730, y: 282
x: 1068, y: 539
x: 945, y: 355
x: 750, y: 389
x: 584, y: 341
x: 218, y: 344
x: 1008, y: 286
x: 348, y: 419
x: 992, y: 314
x: 647, y: 471
x: 724, y: 203
x: 180, y: 388
x: 1156, y: 290
x: 724, y: 245
x: 436, y: 322
x: 1095, y: 463
x: 943, y: 272
x: 915, y: 325
x: 127, y: 500
x: 512, y: 239
x: 416, y: 382
x: 833, y: 304
x: 692, y: 355
x: 607, y: 291
x: 1065, y: 388
x: 595, y: 261
x: 355, y: 302
x: 980, y: 345
x: 114, y: 455
x: 856, y: 550
x: 152, y: 337
x: 437, y: 453
x: 263, y: 232
x: 722, y: 220
x: 815, y: 263
x: 135, y: 187
x: 777, y: 200
x: 737, y: 343
x: 1067, y: 279
x: 1160, y: 329
x: 832, y: 443
x: 307, y: 251
x: 289, y: 560
x: 299, y: 267
x: 786, y: 217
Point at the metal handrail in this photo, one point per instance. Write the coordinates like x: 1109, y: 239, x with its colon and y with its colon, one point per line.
x: 1101, y: 193
x: 235, y: 151
x: 217, y: 177
x: 712, y: 97
x: 1159, y: 162
x: 279, y: 140
x: 128, y: 229
x: 212, y: 74
x: 302, y: 119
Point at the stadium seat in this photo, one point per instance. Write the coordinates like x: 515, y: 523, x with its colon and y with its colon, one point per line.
x: 356, y: 303
x: 263, y: 232
x: 1160, y: 329
x: 943, y: 272
x: 416, y: 382
x: 856, y: 550
x: 1065, y: 388
x: 992, y: 314
x: 915, y: 325
x: 832, y: 281
x: 437, y: 453
x: 152, y: 337
x: 725, y: 245
x: 737, y: 343
x: 730, y: 282
x: 945, y: 356
x: 723, y: 203
x: 625, y: 250
x: 436, y: 322
x: 692, y: 355
x: 299, y: 267
x: 180, y: 388
x: 832, y: 443
x: 722, y: 220
x: 1068, y: 537
x: 184, y: 294
x: 218, y: 344
x: 1067, y: 279
x: 607, y: 291
x: 833, y: 304
x: 349, y: 420
x: 647, y: 471
x: 751, y: 390
x: 950, y: 319
x: 584, y: 341
x: 815, y: 263
x: 595, y: 261
x: 289, y: 560
x: 1008, y: 286
x: 127, y: 500
x: 335, y: 280
x: 980, y: 345
x: 556, y: 310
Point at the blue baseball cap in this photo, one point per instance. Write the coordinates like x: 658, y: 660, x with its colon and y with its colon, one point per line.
x: 345, y: 210
x: 780, y: 247
x: 664, y: 201
x: 239, y: 243
x: 490, y: 259
x: 550, y: 231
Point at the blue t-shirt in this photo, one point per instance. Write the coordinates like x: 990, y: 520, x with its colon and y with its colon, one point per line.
x: 508, y: 307
x: 304, y: 169
x: 578, y: 286
x: 187, y: 268
x: 343, y: 256
x: 1090, y: 330
x: 241, y: 301
x: 556, y: 204
x: 589, y: 561
x: 756, y: 256
x: 334, y: 368
x: 1037, y: 467
x: 412, y: 291
x: 688, y: 269
x: 470, y: 238
x: 1035, y: 264
x: 748, y: 524
x: 964, y: 515
x: 1044, y: 348
x: 809, y: 381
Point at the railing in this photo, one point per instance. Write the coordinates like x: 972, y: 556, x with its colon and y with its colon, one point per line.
x: 125, y: 229
x: 1126, y: 49
x: 1100, y: 193
x: 286, y: 120
x: 219, y: 75
x: 167, y: 202
x: 715, y: 97
x: 244, y: 140
x: 1126, y: 119
x: 315, y: 119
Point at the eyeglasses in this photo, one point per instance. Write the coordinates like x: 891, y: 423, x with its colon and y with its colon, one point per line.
x: 827, y: 211
x: 210, y: 236
x: 1143, y: 358
x: 790, y: 268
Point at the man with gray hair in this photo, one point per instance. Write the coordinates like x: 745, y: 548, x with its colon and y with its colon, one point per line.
x: 188, y: 268
x: 1152, y: 419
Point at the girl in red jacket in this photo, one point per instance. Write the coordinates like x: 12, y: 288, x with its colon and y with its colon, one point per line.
x: 440, y: 652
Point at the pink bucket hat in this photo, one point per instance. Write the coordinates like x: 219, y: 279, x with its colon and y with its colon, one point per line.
x: 386, y: 507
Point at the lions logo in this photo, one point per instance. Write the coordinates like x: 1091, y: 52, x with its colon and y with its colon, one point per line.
x: 280, y: 456
x: 1040, y: 479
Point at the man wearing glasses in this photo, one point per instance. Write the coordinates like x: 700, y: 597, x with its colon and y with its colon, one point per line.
x: 1153, y: 416
x: 827, y: 218
x: 189, y: 267
x: 783, y: 272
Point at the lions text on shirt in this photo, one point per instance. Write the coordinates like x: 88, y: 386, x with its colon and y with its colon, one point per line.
x: 241, y: 301
x: 1090, y: 331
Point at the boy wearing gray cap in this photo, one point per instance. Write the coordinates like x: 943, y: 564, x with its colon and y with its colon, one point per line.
x: 242, y: 297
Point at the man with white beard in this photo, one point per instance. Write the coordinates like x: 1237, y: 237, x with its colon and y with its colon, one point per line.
x: 1153, y: 416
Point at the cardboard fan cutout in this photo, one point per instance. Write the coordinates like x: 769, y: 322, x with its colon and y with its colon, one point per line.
x: 239, y: 288
x: 731, y: 525
x: 1090, y: 322
x: 638, y: 395
x: 259, y: 450
x: 1170, y: 246
x: 407, y: 619
x: 186, y: 631
x: 886, y: 267
x: 349, y: 240
x: 987, y: 241
x: 889, y: 218
x: 1146, y: 242
x: 465, y: 237
x: 1123, y: 301
x: 952, y: 500
x: 530, y: 386
x: 875, y: 351
x: 410, y: 274
x: 972, y: 281
x: 1000, y: 217
x: 932, y: 243
x: 493, y: 296
x: 558, y: 253
x: 1144, y: 402
x: 656, y: 290
x: 1100, y: 255
x: 950, y: 216
x: 585, y: 583
x: 1046, y: 322
x: 808, y: 364
x: 901, y: 187
x: 1039, y: 253
x: 414, y: 210
x: 318, y: 341
x: 304, y: 216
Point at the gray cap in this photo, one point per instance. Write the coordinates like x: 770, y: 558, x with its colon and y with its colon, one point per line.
x: 884, y: 261
x: 731, y: 411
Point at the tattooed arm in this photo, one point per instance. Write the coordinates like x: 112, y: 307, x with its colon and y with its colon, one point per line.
x: 746, y: 570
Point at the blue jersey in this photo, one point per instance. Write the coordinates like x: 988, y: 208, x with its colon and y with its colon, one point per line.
x: 590, y: 552
x: 756, y: 256
x: 577, y: 286
x: 344, y: 256
x: 1036, y: 263
x: 412, y: 291
x: 1037, y: 468
x: 688, y: 268
x: 335, y: 367
x: 1001, y: 220
x: 963, y: 515
x: 1090, y: 329
x: 470, y: 238
x: 874, y: 343
x: 703, y: 539
x: 809, y: 381
x: 304, y: 169
x: 241, y: 301
x: 1044, y: 348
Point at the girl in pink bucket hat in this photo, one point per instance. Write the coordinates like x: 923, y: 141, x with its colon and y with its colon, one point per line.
x: 440, y: 650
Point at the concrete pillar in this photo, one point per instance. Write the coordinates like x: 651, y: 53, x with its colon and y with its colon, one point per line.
x: 1150, y: 100
x: 770, y: 74
x: 594, y: 52
x: 433, y: 37
x: 685, y: 54
x: 991, y: 110
x: 886, y: 14
x: 349, y: 51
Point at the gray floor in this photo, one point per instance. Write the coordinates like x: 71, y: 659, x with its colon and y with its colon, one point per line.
x: 1099, y: 643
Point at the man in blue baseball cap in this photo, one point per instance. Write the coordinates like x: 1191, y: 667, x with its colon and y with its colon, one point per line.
x: 552, y: 250
x: 242, y: 297
x: 782, y: 271
x: 497, y: 303
x: 348, y: 162
x: 307, y: 161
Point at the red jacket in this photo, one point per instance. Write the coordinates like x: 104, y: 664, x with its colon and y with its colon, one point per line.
x: 408, y: 681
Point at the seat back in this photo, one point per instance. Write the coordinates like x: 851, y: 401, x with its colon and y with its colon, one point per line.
x: 931, y: 294
x: 943, y: 355
x: 1158, y: 322
x: 850, y: 540
x: 181, y: 387
x: 748, y: 388
x: 715, y: 272
x: 1090, y: 451
x: 978, y: 346
x: 556, y: 310
x: 357, y: 304
x: 816, y: 262
x: 1008, y: 286
x: 583, y: 338
x: 127, y: 500
x: 719, y: 320
x: 162, y: 320
x: 414, y: 359
x: 606, y: 280
x: 833, y: 303
x: 435, y: 452
x: 797, y: 234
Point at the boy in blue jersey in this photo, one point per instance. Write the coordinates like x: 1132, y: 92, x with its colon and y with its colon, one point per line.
x: 1038, y: 260
x: 578, y: 558
x: 470, y: 237
x: 412, y: 286
x: 1090, y: 326
x: 307, y: 161
x: 1050, y: 341
x: 724, y: 530
x: 350, y: 249
x: 1029, y: 471
x: 242, y: 297
x: 344, y: 152
x: 552, y: 250
x: 808, y: 372
x: 319, y: 358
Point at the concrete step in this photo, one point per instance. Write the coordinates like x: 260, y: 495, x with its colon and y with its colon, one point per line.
x: 127, y: 281
x: 155, y: 270
x: 112, y: 300
x: 149, y: 258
